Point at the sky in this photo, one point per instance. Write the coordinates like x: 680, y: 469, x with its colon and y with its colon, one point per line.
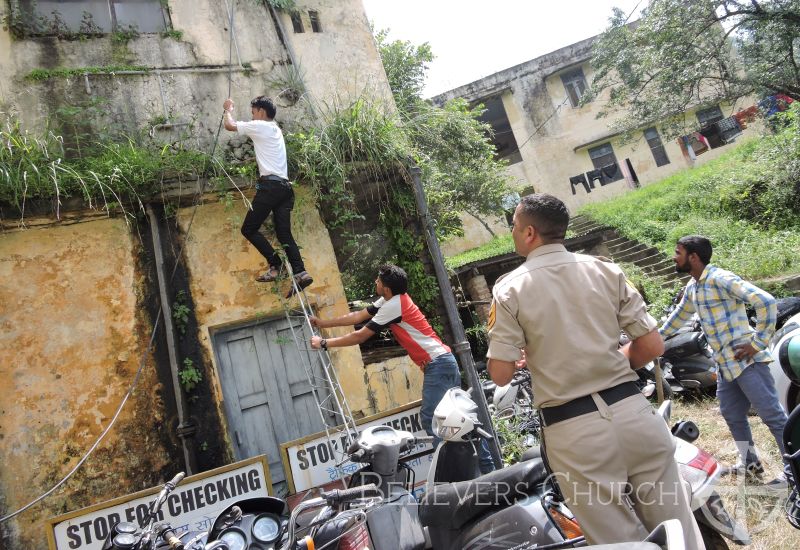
x: 473, y: 39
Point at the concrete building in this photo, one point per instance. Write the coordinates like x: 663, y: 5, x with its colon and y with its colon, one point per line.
x: 555, y: 145
x: 80, y: 289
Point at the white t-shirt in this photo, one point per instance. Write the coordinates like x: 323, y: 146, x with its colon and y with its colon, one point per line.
x: 268, y: 144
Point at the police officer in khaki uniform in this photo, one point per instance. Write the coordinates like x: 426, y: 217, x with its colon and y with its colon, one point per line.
x: 610, y: 452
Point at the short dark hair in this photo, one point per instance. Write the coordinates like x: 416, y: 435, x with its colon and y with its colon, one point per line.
x: 548, y: 214
x: 393, y: 277
x: 695, y: 244
x: 263, y: 102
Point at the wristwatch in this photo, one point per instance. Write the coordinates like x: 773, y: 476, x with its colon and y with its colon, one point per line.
x: 323, y: 344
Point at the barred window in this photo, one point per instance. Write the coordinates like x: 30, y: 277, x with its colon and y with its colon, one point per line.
x: 48, y: 17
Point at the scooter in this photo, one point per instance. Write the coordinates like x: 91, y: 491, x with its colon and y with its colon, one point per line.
x: 688, y: 362
x: 702, y: 471
x: 515, y: 507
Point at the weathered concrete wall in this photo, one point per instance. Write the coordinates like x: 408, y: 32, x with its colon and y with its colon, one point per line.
x: 554, y: 137
x: 71, y: 340
x: 341, y: 63
x: 76, y: 300
x: 475, y: 234
x: 188, y: 78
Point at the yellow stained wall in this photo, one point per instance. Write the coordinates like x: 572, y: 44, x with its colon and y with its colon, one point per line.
x: 394, y: 382
x: 223, y: 265
x: 71, y: 339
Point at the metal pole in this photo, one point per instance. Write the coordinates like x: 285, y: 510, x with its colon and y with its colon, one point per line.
x: 461, y: 347
x: 186, y: 428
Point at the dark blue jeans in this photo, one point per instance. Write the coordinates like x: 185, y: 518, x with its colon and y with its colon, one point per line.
x: 441, y: 374
x: 278, y: 198
x: 754, y: 386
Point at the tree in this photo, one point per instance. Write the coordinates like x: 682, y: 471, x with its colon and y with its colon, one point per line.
x: 683, y: 54
x: 452, y: 146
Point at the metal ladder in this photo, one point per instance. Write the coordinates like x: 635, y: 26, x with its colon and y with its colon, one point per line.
x: 326, y: 389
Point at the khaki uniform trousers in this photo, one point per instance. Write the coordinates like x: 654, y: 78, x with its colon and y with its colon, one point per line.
x: 623, y: 449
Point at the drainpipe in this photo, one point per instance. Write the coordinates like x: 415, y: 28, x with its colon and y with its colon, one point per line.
x: 461, y: 347
x: 186, y: 428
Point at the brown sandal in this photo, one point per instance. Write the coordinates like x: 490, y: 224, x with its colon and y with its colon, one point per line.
x: 268, y: 276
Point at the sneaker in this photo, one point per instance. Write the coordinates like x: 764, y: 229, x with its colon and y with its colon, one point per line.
x: 753, y: 472
x: 778, y: 485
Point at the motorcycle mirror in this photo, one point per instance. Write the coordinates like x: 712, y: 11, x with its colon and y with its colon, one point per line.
x: 686, y: 430
x: 789, y: 358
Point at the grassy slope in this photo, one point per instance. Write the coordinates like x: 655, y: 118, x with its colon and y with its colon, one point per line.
x: 686, y: 203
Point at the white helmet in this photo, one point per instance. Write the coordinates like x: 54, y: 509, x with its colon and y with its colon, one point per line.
x: 455, y: 416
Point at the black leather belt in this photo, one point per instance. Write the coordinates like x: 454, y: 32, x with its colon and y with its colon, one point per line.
x: 585, y: 404
x: 264, y: 181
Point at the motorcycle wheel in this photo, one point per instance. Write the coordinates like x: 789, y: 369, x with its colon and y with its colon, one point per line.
x: 711, y: 539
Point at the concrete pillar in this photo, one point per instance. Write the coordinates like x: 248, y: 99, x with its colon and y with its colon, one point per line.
x: 479, y: 294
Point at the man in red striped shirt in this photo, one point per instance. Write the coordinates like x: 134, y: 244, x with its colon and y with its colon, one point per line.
x: 395, y: 310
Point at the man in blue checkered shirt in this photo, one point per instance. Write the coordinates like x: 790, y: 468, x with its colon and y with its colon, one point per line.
x: 718, y: 297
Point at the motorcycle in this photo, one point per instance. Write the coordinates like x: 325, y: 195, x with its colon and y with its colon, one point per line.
x: 786, y: 350
x: 262, y: 523
x: 152, y: 534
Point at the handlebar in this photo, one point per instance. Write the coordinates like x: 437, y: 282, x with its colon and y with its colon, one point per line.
x: 340, y: 496
x: 168, y: 535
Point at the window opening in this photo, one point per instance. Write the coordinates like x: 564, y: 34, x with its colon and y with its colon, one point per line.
x: 575, y: 84
x: 604, y: 162
x: 297, y: 22
x: 656, y: 146
x: 316, y: 26
x: 505, y: 143
x: 709, y: 116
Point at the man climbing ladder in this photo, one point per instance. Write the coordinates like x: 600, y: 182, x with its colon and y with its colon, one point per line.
x: 273, y: 190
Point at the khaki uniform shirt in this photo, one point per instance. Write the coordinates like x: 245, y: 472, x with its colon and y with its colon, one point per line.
x: 566, y: 310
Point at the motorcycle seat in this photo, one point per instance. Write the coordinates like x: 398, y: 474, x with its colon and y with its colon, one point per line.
x: 452, y: 505
x: 684, y: 345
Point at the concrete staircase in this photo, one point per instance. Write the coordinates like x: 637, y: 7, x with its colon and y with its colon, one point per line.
x: 621, y: 249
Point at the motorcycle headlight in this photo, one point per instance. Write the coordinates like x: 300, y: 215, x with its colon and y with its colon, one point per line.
x: 234, y: 538
x: 266, y: 528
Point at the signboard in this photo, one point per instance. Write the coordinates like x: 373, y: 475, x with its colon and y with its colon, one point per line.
x: 192, y: 506
x: 308, y: 462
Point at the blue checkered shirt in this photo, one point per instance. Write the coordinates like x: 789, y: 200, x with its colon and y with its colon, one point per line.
x: 719, y: 297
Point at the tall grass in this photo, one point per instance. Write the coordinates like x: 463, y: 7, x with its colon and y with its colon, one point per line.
x: 106, y: 175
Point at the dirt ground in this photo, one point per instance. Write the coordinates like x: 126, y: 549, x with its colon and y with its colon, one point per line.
x: 762, y: 514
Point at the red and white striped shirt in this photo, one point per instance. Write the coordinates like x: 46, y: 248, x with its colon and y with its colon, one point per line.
x: 409, y: 326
